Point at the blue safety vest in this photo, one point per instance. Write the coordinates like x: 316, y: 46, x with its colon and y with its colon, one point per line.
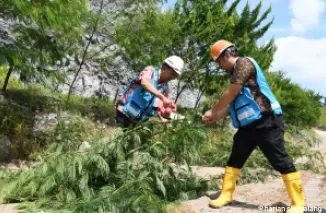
x: 244, y: 110
x: 140, y: 103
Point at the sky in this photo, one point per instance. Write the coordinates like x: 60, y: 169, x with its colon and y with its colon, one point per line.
x: 299, y: 30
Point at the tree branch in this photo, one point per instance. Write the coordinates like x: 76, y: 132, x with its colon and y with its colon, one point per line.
x: 85, y: 51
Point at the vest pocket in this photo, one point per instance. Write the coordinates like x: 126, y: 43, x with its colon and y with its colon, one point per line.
x: 133, y: 109
x: 246, y: 110
x: 138, y: 104
x: 246, y: 113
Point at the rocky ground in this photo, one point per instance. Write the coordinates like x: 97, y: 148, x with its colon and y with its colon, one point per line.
x: 270, y: 196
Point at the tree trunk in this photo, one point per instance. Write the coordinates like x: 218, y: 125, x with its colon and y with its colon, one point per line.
x: 179, y: 93
x: 116, y: 95
x: 85, y: 52
x: 5, y: 84
x: 200, y: 94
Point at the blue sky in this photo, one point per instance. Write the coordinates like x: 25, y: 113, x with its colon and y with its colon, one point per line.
x: 300, y: 32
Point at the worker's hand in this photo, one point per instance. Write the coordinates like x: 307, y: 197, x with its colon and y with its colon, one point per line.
x: 208, y: 117
x: 167, y: 102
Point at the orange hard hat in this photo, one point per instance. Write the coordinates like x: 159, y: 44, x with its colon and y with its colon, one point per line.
x: 218, y: 47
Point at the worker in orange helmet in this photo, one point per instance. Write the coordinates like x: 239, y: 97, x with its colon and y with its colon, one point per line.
x: 257, y: 115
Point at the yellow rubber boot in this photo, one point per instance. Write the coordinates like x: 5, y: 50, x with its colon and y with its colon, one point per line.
x: 228, y: 187
x: 293, y: 185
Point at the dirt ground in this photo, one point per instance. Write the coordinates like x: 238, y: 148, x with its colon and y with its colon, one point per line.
x: 270, y: 196
x: 252, y: 197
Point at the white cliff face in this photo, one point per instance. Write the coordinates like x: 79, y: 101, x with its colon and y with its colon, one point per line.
x: 5, y: 35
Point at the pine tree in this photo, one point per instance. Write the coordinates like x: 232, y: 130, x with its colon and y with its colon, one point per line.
x: 248, y: 30
x: 206, y: 22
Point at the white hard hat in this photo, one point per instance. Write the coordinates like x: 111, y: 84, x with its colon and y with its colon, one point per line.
x: 176, y: 63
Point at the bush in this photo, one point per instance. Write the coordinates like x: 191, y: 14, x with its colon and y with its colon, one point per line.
x: 125, y: 174
x: 301, y: 107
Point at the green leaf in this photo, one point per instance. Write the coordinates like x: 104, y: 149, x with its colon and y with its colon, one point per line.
x: 160, y: 185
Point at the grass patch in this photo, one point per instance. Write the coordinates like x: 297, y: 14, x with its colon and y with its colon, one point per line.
x: 19, y: 108
x: 37, y: 98
x: 13, y: 82
x: 43, y: 100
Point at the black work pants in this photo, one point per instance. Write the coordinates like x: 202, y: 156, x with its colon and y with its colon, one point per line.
x: 123, y: 121
x: 268, y: 134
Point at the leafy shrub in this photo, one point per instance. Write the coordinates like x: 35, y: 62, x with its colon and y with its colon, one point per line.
x: 121, y: 175
x: 301, y: 107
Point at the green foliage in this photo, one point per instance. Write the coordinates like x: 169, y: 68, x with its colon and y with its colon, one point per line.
x: 13, y: 82
x: 15, y: 122
x: 148, y: 166
x: 43, y: 100
x: 247, y: 30
x: 220, y: 22
x: 322, y: 119
x: 79, y: 121
x: 301, y: 107
x: 182, y: 144
x: 148, y: 38
x: 143, y: 169
x: 121, y: 175
x: 40, y: 36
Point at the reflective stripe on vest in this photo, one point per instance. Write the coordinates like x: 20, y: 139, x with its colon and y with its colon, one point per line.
x: 244, y: 110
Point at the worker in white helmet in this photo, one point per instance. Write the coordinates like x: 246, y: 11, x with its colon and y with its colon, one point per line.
x: 139, y: 101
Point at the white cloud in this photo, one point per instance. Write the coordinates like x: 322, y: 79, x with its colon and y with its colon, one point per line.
x: 306, y: 14
x: 303, y: 60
